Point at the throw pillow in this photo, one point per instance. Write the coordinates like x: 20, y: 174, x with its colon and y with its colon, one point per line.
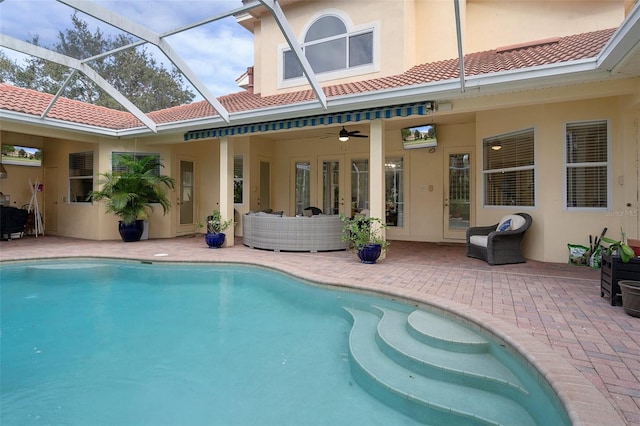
x: 505, y: 226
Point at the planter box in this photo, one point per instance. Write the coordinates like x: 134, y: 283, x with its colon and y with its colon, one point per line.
x: 614, y: 270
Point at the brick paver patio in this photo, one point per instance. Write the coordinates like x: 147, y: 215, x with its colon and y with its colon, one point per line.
x: 588, y: 349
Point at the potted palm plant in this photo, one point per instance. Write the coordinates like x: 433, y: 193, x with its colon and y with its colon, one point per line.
x: 130, y: 195
x: 364, y: 234
x: 215, y: 227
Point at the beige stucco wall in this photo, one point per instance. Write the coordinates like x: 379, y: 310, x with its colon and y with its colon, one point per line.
x: 301, y: 15
x: 494, y: 23
x: 553, y: 225
x: 417, y: 32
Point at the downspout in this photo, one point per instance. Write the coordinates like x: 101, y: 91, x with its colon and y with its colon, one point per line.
x: 459, y: 36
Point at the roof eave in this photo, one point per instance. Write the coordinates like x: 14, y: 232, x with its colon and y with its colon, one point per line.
x: 624, y: 43
x: 23, y: 118
x: 486, y: 84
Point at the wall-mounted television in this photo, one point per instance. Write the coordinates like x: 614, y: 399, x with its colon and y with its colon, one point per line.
x: 419, y: 137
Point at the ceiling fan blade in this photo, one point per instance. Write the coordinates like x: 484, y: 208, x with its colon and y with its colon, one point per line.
x: 359, y: 136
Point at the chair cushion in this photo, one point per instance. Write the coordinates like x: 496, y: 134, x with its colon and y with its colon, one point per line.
x: 505, y: 226
x: 478, y: 240
x: 516, y: 222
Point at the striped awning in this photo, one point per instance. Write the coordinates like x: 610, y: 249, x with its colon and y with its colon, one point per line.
x: 419, y: 108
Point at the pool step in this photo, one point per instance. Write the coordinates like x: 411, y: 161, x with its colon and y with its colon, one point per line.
x: 428, y: 383
x: 440, y: 332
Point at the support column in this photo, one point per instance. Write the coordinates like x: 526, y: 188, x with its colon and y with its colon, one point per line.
x: 226, y: 187
x: 376, y: 170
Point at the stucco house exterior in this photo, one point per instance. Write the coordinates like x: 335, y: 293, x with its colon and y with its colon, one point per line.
x: 541, y: 115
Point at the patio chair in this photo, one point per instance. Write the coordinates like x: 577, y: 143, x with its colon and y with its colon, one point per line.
x: 499, y: 244
x: 311, y: 211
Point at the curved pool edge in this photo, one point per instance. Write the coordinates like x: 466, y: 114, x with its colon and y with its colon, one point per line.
x: 584, y: 402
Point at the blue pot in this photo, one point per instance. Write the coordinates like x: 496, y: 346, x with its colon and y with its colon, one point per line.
x: 131, y: 232
x: 214, y: 240
x: 369, y: 253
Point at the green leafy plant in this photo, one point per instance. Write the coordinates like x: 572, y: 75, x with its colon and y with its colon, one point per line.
x: 215, y: 224
x: 361, y: 230
x: 131, y: 194
x: 619, y: 247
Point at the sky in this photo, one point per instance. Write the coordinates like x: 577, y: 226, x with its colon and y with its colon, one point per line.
x: 217, y: 53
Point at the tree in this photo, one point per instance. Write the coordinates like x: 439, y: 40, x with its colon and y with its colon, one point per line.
x: 133, y: 71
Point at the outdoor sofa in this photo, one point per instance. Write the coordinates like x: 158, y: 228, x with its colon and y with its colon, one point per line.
x: 276, y: 232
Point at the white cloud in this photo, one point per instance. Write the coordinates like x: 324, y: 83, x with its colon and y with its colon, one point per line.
x: 217, y: 52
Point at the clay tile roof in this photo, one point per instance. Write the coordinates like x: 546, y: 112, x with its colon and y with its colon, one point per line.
x: 541, y: 52
x: 35, y: 103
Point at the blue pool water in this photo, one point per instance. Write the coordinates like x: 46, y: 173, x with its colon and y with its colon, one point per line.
x: 94, y: 342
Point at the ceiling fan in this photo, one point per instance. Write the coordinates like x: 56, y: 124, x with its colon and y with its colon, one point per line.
x: 344, y: 135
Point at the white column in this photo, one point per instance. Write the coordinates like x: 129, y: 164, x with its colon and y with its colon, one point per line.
x: 376, y: 170
x: 226, y: 186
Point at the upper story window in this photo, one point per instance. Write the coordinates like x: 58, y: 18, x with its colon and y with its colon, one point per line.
x: 330, y: 46
x: 587, y: 165
x: 509, y: 169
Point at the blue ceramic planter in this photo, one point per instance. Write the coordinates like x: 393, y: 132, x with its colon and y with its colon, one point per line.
x: 214, y: 240
x: 369, y: 253
x: 131, y: 232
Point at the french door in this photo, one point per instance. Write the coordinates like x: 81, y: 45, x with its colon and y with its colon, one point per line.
x: 186, y: 201
x: 458, y: 183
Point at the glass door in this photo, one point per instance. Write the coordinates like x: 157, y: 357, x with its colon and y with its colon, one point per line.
x: 359, y: 185
x: 302, y: 181
x: 457, y: 191
x: 331, y: 187
x: 186, y: 193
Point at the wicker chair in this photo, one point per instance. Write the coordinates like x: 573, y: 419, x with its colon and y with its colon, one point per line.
x: 499, y: 247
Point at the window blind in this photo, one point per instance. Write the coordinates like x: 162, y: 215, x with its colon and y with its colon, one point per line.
x: 508, y: 167
x: 586, y: 153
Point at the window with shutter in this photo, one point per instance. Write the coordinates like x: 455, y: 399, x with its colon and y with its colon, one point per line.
x: 117, y: 166
x: 80, y: 176
x: 509, y: 169
x: 587, y: 165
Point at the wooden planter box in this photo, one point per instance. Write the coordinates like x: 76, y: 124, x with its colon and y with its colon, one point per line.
x: 614, y: 270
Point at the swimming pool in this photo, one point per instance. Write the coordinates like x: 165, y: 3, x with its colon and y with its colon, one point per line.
x: 123, y: 342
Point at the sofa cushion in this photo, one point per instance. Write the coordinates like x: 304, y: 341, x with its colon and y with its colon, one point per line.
x: 478, y: 240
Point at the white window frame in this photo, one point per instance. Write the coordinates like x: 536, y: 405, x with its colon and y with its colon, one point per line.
x: 566, y: 165
x: 352, y: 30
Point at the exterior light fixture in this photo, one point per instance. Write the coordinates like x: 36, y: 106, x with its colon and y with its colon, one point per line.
x: 344, y: 135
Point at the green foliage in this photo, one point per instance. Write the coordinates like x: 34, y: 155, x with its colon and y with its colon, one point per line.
x: 620, y: 247
x: 361, y: 230
x: 133, y: 71
x: 130, y: 194
x: 215, y: 224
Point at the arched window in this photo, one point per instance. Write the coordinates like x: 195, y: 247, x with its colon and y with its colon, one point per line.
x: 329, y: 46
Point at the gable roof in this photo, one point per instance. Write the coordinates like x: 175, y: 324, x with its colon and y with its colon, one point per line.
x: 509, y: 58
